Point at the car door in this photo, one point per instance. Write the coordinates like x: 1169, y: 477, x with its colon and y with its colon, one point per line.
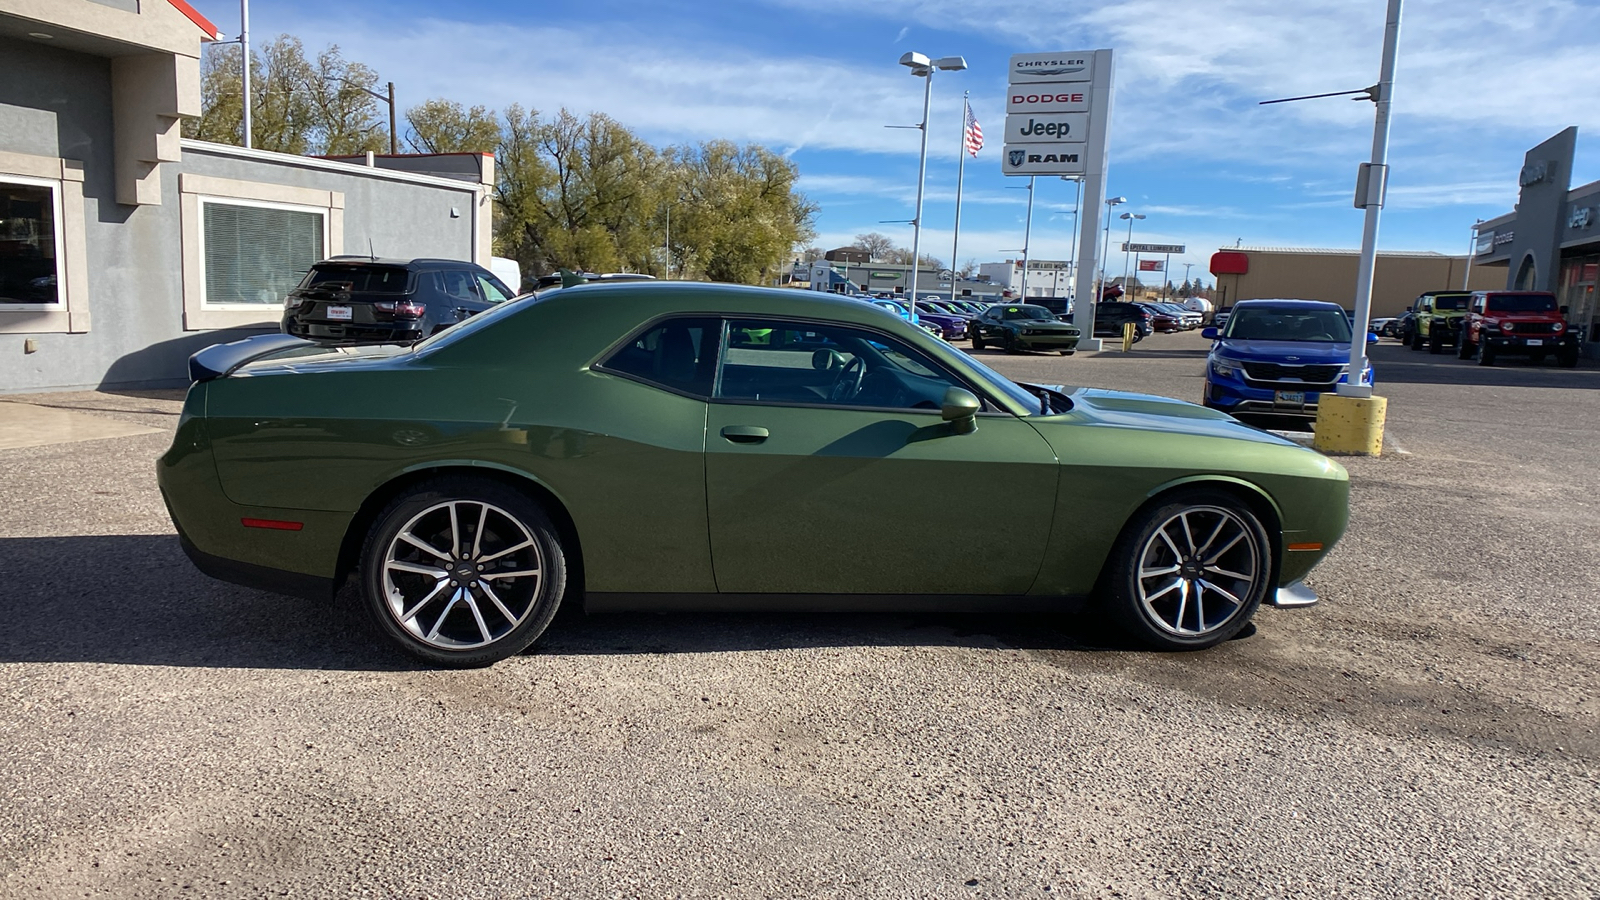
x: 829, y: 470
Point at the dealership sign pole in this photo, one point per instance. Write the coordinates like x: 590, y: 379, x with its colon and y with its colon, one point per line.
x: 1058, y: 116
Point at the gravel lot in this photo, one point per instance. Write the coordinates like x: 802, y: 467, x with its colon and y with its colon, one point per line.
x: 1429, y: 730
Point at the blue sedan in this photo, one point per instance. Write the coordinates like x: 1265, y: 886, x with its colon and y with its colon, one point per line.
x: 1277, y: 357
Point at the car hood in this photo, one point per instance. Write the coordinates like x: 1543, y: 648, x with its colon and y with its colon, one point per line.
x: 1045, y: 324
x: 1284, y: 351
x: 1148, y: 412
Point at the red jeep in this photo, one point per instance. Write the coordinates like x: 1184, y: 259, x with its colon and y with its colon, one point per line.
x: 1526, y: 323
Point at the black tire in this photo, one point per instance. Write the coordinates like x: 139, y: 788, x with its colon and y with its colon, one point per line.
x: 977, y: 340
x: 1486, y: 354
x: 471, y: 629
x: 1435, y: 344
x: 1418, y: 341
x: 1463, y: 346
x: 1067, y: 352
x: 1010, y: 343
x: 1567, y: 359
x: 1139, y: 605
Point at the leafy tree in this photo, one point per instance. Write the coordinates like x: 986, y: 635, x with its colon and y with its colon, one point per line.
x: 445, y: 126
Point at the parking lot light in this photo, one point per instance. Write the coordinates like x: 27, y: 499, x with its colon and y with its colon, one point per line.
x: 923, y: 67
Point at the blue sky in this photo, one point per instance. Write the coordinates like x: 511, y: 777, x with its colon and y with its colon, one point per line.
x: 1479, y: 82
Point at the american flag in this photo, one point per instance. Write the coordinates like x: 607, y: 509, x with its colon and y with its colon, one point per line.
x: 972, y: 136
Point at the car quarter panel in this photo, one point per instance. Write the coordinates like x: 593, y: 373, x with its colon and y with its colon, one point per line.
x: 625, y: 459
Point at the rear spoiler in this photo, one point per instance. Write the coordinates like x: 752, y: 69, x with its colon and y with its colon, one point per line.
x: 222, y: 360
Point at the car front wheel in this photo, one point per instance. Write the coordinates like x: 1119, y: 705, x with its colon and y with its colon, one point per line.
x: 1191, y: 572
x: 463, y: 572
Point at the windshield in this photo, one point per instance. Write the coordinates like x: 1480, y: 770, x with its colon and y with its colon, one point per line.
x: 1522, y: 302
x: 1027, y: 312
x: 1458, y: 302
x: 362, y: 279
x: 1282, y: 323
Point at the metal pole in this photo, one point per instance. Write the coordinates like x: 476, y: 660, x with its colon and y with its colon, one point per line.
x: 1027, y: 235
x: 1105, y: 252
x: 961, y: 174
x: 922, y: 174
x: 1126, y: 256
x: 1472, y: 253
x: 1357, y: 385
x: 1166, y: 277
x: 394, y: 146
x: 667, y: 246
x: 244, y: 56
x: 1072, y: 255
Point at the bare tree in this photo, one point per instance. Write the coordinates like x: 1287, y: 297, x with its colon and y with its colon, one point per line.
x: 879, y: 247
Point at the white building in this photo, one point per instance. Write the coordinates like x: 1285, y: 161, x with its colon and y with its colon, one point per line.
x: 1046, y: 277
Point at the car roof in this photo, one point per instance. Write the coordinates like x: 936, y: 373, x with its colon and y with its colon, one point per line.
x: 1291, y: 304
x: 419, y: 262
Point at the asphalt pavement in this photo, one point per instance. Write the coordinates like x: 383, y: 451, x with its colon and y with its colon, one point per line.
x: 1428, y: 730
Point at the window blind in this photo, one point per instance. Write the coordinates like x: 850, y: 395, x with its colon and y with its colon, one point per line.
x: 256, y: 254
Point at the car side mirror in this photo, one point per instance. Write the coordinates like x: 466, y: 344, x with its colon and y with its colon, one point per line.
x: 1372, y: 338
x: 1210, y: 334
x: 960, y: 409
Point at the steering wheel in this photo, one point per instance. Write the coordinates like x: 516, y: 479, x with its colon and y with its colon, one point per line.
x: 846, y: 386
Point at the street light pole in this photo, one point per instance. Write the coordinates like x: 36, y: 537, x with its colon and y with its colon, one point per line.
x: 1106, y: 251
x: 922, y: 67
x: 1472, y: 253
x: 1126, y: 248
x: 244, y: 45
x: 1374, y: 180
x: 1027, y: 237
x: 1072, y: 258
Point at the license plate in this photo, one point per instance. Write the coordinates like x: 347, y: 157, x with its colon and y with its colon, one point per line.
x: 1294, y: 398
x: 339, y: 313
x: 1535, y: 342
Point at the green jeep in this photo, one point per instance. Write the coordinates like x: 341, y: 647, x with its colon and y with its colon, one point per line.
x: 1437, y: 317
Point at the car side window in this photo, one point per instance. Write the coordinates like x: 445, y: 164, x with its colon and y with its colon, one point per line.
x: 827, y: 365
x: 678, y: 354
x: 456, y: 285
x: 491, y: 290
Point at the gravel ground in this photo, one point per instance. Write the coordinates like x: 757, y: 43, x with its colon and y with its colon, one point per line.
x: 1428, y: 730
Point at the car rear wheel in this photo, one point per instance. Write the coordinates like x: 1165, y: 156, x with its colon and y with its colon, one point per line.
x: 1191, y: 572
x: 1486, y: 354
x: 1418, y: 341
x: 463, y: 572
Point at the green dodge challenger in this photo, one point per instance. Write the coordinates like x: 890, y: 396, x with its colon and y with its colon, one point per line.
x: 681, y: 446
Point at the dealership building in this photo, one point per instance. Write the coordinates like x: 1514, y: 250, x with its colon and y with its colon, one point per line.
x: 1551, y: 241
x: 1274, y: 273
x: 124, y: 247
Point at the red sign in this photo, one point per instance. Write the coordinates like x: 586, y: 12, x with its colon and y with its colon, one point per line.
x: 1150, y: 265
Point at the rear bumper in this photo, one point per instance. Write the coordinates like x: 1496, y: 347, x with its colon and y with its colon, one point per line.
x: 375, y: 333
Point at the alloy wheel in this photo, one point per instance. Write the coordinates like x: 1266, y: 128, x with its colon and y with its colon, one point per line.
x: 462, y: 574
x: 1198, y: 570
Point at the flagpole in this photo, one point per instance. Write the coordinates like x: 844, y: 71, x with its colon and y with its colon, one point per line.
x: 961, y: 174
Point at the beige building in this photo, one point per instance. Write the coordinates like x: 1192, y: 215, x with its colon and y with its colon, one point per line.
x: 1309, y: 274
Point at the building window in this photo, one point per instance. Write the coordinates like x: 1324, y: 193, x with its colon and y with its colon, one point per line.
x: 30, y: 241
x: 256, y: 253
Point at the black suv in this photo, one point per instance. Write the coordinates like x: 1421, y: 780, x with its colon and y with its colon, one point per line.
x: 1109, y: 318
x: 358, y: 299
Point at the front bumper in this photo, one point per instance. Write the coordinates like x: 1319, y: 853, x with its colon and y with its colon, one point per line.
x: 1048, y: 341
x: 1522, y: 343
x: 1238, y: 399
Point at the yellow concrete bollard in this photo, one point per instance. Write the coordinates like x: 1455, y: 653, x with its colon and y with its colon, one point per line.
x: 1352, y: 425
x: 1127, y: 336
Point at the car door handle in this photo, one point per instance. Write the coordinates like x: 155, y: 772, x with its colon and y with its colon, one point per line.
x: 744, y: 434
